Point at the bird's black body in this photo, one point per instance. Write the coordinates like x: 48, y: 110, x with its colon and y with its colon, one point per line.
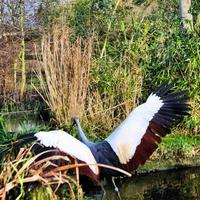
x: 104, y: 154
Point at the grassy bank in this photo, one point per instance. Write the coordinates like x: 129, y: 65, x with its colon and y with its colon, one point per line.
x: 175, y: 151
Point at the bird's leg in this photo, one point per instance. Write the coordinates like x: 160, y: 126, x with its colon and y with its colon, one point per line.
x: 103, y: 191
x: 116, y: 188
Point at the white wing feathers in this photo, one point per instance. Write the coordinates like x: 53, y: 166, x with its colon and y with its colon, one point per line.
x: 67, y: 143
x: 128, y: 135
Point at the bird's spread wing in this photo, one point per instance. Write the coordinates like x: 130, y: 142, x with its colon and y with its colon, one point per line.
x: 70, y: 145
x: 138, y: 135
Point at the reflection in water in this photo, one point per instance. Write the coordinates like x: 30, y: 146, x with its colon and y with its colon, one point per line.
x: 169, y: 185
x: 20, y: 122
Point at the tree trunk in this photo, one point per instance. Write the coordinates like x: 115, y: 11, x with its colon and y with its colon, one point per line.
x: 22, y: 50
x: 187, y: 19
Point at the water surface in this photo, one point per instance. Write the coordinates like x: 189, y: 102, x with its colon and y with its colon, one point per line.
x: 22, y: 121
x: 168, y: 185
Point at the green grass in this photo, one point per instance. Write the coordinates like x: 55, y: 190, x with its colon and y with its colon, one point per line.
x: 175, y: 151
x: 180, y: 146
x: 179, y: 141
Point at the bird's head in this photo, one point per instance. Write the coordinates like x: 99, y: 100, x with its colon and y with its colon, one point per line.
x: 75, y: 121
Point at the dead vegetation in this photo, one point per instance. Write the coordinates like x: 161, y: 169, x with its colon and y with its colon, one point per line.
x: 66, y: 67
x: 27, y: 168
x: 69, y: 89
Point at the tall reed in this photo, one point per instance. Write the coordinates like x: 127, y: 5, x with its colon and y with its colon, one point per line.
x: 64, y: 73
x: 106, y: 108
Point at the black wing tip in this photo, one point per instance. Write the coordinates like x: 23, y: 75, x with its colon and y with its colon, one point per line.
x: 166, y: 92
x: 164, y: 88
x: 175, y: 105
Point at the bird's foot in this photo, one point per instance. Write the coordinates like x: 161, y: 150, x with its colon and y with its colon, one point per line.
x: 118, y: 193
x: 116, y: 189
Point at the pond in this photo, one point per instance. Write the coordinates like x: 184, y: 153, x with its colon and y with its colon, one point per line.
x: 168, y: 185
x: 22, y: 121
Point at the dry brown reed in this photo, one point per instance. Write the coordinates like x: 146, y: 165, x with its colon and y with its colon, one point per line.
x: 64, y: 73
x: 64, y: 81
x: 26, y: 168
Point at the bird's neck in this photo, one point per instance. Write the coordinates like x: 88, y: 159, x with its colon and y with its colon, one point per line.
x: 83, y: 137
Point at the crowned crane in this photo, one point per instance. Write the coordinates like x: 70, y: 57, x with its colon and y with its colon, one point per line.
x: 131, y: 143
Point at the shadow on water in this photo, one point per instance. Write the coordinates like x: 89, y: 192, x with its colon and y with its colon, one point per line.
x: 169, y: 185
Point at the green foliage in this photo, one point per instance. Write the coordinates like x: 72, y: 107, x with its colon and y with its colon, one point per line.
x: 155, y: 44
x: 3, y: 130
x: 195, y: 9
x: 136, y: 49
x: 179, y: 146
x: 52, y: 12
